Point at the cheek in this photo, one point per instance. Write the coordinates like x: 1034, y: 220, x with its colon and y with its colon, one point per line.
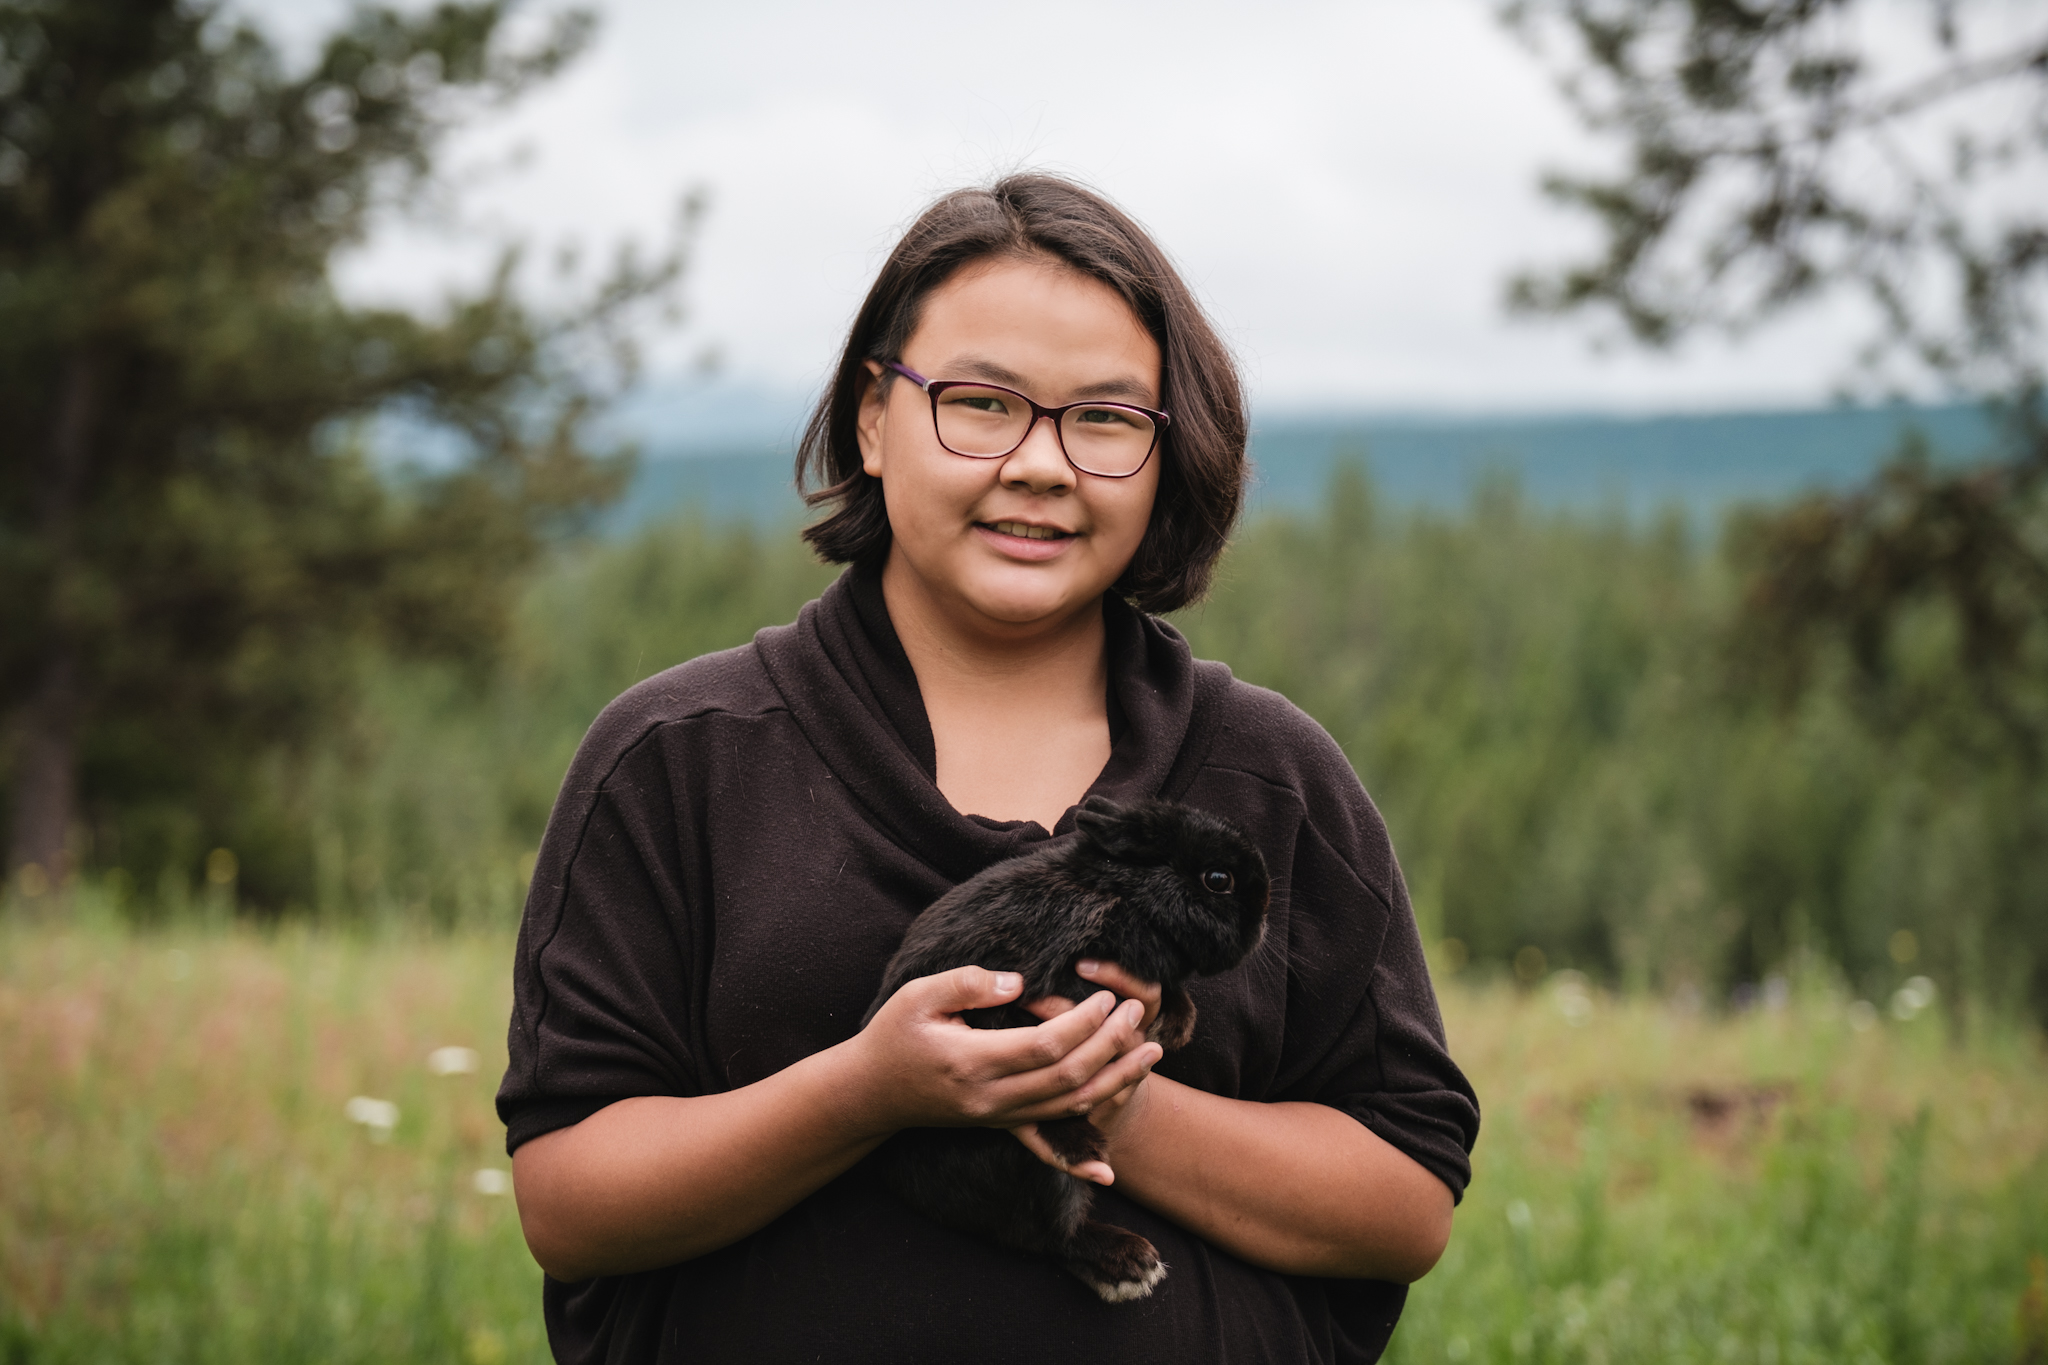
x: 1131, y: 512
x: 926, y: 489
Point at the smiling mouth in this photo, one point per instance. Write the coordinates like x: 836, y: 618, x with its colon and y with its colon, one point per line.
x: 1018, y: 528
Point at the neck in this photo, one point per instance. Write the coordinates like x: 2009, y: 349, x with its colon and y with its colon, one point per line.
x: 950, y: 651
x: 1019, y: 714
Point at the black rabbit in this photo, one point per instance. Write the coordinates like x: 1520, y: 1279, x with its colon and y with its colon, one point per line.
x: 1163, y: 890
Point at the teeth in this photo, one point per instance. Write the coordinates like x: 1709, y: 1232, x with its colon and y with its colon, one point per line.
x: 1018, y: 528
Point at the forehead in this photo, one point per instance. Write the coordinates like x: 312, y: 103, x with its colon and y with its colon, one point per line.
x: 1038, y: 317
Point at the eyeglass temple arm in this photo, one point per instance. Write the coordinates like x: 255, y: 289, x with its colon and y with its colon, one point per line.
x: 912, y: 375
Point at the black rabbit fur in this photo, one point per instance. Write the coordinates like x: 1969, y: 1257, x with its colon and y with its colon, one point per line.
x: 1165, y: 891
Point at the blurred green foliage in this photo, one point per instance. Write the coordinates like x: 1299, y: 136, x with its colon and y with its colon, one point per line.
x: 428, y: 808
x: 1765, y: 157
x: 1551, y: 709
x: 1558, y: 717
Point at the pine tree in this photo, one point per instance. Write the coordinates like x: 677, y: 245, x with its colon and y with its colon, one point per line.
x: 1782, y: 152
x: 196, y: 536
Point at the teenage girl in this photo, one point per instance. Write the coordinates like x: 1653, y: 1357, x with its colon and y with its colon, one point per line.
x: 1033, y: 441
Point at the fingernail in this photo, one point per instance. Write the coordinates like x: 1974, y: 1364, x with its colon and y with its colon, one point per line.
x: 1087, y: 966
x: 1007, y: 982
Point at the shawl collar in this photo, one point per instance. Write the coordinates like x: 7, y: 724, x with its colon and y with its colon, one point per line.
x: 848, y: 684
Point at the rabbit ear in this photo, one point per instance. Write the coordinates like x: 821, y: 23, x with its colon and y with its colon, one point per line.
x: 1121, y: 832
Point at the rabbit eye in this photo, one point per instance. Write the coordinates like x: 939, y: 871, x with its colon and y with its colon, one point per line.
x: 1218, y: 881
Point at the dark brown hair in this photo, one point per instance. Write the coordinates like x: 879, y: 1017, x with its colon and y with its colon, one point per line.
x: 1202, y: 466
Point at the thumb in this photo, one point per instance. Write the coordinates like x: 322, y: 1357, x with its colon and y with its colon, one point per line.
x: 968, y: 988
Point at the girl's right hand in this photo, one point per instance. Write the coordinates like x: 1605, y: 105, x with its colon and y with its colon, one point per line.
x: 926, y: 1067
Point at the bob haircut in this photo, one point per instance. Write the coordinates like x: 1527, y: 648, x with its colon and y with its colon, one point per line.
x: 1202, y: 460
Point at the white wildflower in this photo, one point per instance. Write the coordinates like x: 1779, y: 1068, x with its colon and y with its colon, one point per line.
x: 379, y: 1116
x: 1573, y: 995
x: 1777, y: 993
x: 491, y: 1180
x: 1913, y: 997
x: 452, y: 1061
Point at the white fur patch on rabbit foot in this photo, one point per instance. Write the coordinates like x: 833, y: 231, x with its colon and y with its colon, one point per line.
x: 1124, y: 1291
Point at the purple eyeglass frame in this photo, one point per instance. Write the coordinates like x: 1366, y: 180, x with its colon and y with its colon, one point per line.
x: 934, y: 387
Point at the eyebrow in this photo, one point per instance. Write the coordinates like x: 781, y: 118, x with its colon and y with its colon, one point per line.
x: 980, y: 367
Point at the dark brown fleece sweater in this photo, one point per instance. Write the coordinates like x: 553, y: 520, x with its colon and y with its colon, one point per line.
x: 735, y: 853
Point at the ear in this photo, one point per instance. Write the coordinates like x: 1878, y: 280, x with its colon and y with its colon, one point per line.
x: 1121, y: 832
x: 871, y: 421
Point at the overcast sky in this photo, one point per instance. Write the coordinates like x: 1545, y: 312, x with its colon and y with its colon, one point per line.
x: 1346, y: 185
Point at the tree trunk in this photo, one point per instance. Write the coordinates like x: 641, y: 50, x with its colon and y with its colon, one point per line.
x: 46, y: 778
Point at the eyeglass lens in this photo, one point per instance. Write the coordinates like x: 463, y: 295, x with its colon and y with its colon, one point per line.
x: 988, y: 422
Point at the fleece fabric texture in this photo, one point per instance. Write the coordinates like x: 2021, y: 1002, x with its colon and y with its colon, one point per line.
x: 735, y: 853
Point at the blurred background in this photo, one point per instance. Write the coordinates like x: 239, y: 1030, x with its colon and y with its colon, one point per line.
x: 1649, y: 448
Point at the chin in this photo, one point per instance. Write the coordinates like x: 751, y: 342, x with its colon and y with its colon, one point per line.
x: 1018, y: 609
x: 1031, y: 600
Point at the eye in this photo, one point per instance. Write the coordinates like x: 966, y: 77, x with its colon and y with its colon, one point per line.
x: 1102, y: 417
x: 1218, y: 882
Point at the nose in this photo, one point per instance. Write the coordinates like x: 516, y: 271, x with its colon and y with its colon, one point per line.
x: 1039, y: 465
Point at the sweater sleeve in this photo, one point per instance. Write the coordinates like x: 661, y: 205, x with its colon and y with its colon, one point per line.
x: 1364, y: 1034
x: 1407, y: 1089
x: 602, y: 981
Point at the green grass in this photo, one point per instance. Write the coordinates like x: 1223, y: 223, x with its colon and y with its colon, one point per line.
x: 1657, y: 1185
x: 179, y: 1182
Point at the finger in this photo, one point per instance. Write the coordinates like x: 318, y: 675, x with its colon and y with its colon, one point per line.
x: 1113, y: 977
x: 1059, y: 1079
x: 1095, y: 1172
x: 1037, y: 1051
x: 1118, y: 1076
x: 1053, y: 1040
x: 1049, y: 1006
x: 963, y: 988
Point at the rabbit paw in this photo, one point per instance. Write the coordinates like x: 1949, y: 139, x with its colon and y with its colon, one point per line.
x: 1117, y: 1264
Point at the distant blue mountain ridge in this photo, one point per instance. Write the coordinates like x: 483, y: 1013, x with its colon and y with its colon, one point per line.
x: 736, y: 461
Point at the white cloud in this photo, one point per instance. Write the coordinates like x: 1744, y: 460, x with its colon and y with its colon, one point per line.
x: 1346, y: 184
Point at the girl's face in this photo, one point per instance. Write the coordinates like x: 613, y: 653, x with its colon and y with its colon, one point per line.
x: 1025, y: 540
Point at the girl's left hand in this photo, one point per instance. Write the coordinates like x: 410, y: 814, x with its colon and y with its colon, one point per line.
x: 1109, y: 1114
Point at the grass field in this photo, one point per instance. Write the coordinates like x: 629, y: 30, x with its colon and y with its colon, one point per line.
x: 181, y: 1180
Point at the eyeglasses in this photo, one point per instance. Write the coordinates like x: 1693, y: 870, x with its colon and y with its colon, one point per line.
x: 988, y: 422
